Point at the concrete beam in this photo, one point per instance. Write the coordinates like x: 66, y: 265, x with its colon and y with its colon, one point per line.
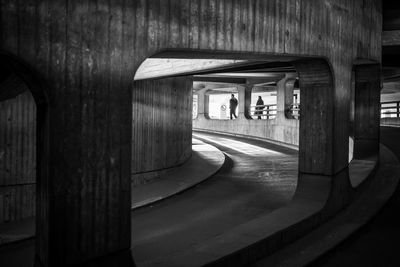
x: 390, y: 38
x: 219, y: 79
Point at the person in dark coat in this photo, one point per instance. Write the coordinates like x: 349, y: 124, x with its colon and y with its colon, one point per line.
x: 259, y: 107
x: 233, y: 102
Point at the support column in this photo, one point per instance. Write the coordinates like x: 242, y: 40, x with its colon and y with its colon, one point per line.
x: 288, y: 98
x: 280, y: 100
x: 203, y: 103
x: 84, y: 205
x: 244, y: 98
x: 321, y: 150
x: 83, y: 200
x: 317, y: 117
x: 284, y: 97
x: 366, y: 110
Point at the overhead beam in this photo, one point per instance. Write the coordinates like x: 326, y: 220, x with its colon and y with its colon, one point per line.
x: 219, y: 79
x: 390, y: 38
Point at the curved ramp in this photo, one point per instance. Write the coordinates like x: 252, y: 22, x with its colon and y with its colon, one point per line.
x: 204, y: 162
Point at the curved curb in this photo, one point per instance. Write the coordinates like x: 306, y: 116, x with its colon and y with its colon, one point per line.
x: 348, y: 222
x: 205, y: 161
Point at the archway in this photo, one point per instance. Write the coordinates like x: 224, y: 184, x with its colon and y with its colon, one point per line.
x: 24, y: 94
x: 317, y: 152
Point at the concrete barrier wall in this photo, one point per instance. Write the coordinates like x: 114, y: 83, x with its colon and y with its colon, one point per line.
x: 17, y: 158
x: 390, y: 121
x: 279, y: 129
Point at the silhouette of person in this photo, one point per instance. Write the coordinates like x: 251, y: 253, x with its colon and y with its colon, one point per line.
x: 233, y: 102
x: 259, y: 107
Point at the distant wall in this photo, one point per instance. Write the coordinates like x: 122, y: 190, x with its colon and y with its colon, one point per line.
x: 161, y: 127
x: 390, y: 121
x: 280, y: 129
x: 17, y: 158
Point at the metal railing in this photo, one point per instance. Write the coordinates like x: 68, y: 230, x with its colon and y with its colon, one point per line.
x: 390, y: 109
x: 264, y: 111
x: 294, y: 111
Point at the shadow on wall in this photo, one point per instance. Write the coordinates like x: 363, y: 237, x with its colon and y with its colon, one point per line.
x: 18, y: 151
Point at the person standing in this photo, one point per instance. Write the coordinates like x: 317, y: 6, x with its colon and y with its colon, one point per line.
x: 233, y: 102
x: 259, y: 107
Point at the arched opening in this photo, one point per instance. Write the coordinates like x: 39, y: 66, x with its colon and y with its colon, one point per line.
x: 315, y: 157
x: 23, y: 138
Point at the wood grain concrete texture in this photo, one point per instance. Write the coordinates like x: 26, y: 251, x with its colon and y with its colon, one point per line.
x: 257, y: 179
x: 394, y: 122
x: 367, y: 110
x: 88, y: 53
x: 251, y: 185
x: 17, y: 157
x: 161, y: 127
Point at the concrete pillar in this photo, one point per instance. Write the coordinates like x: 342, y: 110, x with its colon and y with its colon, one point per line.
x: 288, y: 97
x: 244, y: 98
x: 280, y: 99
x: 203, y: 103
x: 83, y: 167
x: 84, y: 205
x: 284, y: 97
x: 366, y: 110
x: 84, y: 202
x: 316, y: 117
x: 322, y: 146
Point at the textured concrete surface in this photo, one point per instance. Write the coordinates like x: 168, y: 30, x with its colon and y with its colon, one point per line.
x: 17, y: 230
x: 327, y: 236
x: 204, y: 162
x: 257, y: 179
x: 376, y: 244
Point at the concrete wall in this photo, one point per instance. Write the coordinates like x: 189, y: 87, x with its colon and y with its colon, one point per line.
x: 161, y: 125
x: 88, y: 52
x: 390, y: 121
x: 17, y: 158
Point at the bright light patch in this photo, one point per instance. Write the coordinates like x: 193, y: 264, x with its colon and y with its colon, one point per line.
x: 241, y: 147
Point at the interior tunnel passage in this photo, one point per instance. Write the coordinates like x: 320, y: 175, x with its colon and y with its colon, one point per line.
x: 158, y: 90
x: 23, y: 136
x: 99, y: 134
x: 256, y: 179
x: 316, y: 124
x: 316, y: 92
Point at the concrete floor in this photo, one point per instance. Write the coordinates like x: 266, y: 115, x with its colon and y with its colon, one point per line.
x: 257, y: 179
x: 376, y: 244
x: 174, y: 224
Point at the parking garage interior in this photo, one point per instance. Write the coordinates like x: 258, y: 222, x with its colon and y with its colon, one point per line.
x: 120, y: 144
